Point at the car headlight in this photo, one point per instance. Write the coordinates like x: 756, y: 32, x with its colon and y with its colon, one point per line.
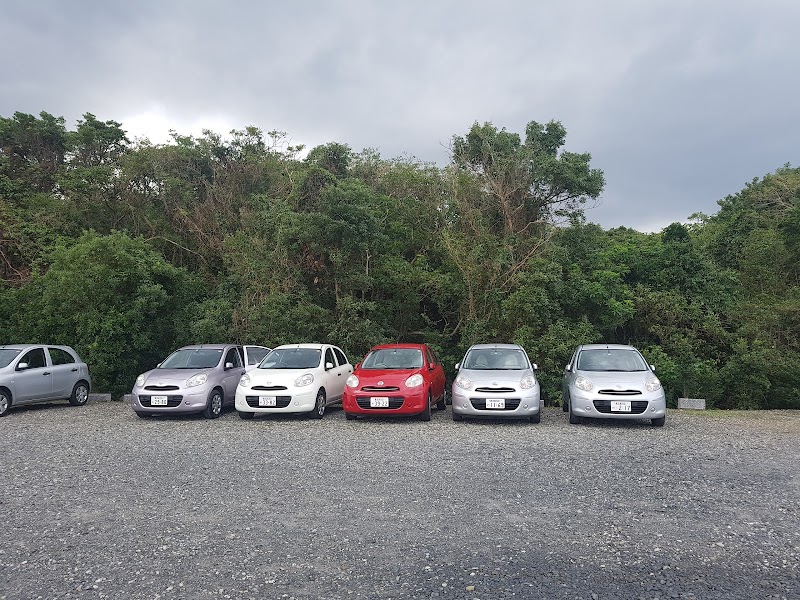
x: 527, y: 382
x: 304, y: 380
x: 583, y: 384
x: 245, y: 380
x: 463, y: 382
x: 196, y: 380
x: 414, y: 381
x: 653, y: 384
x: 352, y: 381
x: 140, y: 380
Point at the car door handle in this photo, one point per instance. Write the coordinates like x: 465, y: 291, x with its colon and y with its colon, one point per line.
x: 46, y: 373
x: 73, y: 370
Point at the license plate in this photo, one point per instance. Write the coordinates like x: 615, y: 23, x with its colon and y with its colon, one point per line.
x: 495, y: 403
x: 379, y: 402
x: 158, y: 400
x: 617, y: 406
x: 266, y: 401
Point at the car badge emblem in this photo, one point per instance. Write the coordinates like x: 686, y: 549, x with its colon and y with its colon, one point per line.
x: 380, y: 383
x: 160, y: 383
x: 618, y: 386
x: 269, y: 383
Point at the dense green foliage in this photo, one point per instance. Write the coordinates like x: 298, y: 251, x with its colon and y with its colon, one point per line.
x: 125, y: 251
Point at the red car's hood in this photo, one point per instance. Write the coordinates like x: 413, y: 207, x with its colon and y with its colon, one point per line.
x: 384, y: 377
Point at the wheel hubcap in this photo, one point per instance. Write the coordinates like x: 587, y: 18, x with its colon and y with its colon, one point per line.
x: 321, y: 405
x: 82, y: 394
x: 216, y: 404
x: 3, y: 404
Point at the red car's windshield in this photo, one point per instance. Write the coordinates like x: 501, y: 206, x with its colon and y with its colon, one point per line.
x: 393, y: 358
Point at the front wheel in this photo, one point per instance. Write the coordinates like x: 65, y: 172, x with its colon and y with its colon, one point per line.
x: 659, y: 422
x: 425, y: 415
x: 573, y: 419
x: 442, y: 403
x: 537, y: 417
x: 246, y: 415
x: 349, y: 417
x: 214, y: 405
x: 457, y: 417
x: 319, y: 406
x: 5, y: 403
x: 80, y: 394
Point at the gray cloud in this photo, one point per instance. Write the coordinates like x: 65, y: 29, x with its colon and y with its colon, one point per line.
x: 680, y: 103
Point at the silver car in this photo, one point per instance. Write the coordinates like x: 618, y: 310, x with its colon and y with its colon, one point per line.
x: 192, y: 379
x: 612, y: 381
x: 40, y: 373
x: 496, y: 380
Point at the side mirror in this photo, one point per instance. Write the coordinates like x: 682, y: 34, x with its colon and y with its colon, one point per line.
x: 458, y: 366
x: 228, y: 366
x: 535, y: 367
x: 568, y: 367
x: 653, y: 368
x: 358, y: 365
x: 22, y: 366
x: 431, y: 366
x: 328, y: 366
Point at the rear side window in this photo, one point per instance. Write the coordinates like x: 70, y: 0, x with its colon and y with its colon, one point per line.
x: 340, y: 356
x: 60, y: 357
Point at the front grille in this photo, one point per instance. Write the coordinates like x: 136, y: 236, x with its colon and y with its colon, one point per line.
x: 495, y: 390
x: 280, y: 401
x: 268, y: 388
x: 378, y: 388
x: 172, y: 401
x: 161, y: 388
x: 480, y: 404
x: 394, y: 402
x: 637, y: 407
x: 620, y: 392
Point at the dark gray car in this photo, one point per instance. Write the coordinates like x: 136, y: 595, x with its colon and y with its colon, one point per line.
x: 32, y: 373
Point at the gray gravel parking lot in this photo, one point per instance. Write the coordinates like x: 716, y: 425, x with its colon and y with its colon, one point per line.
x: 97, y: 503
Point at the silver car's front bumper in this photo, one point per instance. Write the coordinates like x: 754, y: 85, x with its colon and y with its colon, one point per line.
x: 519, y: 404
x: 180, y: 401
x: 647, y: 405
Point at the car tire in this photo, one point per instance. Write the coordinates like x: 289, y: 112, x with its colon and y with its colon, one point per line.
x: 319, y: 406
x: 425, y: 415
x: 537, y: 418
x: 442, y: 403
x: 80, y: 394
x: 246, y: 415
x: 214, y: 405
x: 573, y: 418
x: 659, y: 422
x: 5, y: 403
x: 457, y: 417
x: 564, y: 404
x: 349, y: 417
x: 142, y: 415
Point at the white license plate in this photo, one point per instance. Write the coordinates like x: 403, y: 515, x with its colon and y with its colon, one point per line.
x: 495, y: 403
x: 617, y: 406
x: 158, y: 400
x: 267, y: 401
x: 379, y: 402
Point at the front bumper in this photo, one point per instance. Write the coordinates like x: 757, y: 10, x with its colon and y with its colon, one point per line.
x: 180, y: 401
x: 647, y: 405
x: 519, y: 404
x: 292, y: 400
x: 405, y: 401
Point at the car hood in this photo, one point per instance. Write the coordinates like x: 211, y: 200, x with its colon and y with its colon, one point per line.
x: 384, y: 377
x: 278, y: 376
x: 172, y: 376
x: 495, y: 378
x: 615, y: 378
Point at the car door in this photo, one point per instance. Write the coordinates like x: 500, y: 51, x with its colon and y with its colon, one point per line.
x: 64, y: 371
x: 253, y: 355
x: 232, y: 375
x: 339, y: 373
x: 437, y: 374
x: 568, y: 374
x: 34, y: 380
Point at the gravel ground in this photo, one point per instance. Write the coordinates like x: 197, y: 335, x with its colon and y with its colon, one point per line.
x: 97, y: 503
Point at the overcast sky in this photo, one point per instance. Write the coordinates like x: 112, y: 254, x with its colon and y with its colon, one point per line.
x: 680, y: 102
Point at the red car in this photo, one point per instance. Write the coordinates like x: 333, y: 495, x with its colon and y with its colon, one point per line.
x: 396, y: 379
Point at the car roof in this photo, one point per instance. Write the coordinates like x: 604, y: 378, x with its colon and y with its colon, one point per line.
x: 606, y: 346
x: 25, y: 346
x: 392, y: 346
x: 501, y: 346
x: 311, y: 346
x: 206, y: 346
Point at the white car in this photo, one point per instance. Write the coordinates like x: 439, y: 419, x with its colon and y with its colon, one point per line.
x: 296, y: 378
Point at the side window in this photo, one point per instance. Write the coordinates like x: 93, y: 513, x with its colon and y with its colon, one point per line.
x: 233, y: 357
x: 340, y: 356
x: 432, y: 356
x: 329, y: 357
x: 34, y: 358
x: 255, y: 354
x: 60, y: 357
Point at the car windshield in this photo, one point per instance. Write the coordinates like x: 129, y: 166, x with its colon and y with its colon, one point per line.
x: 496, y: 359
x: 611, y: 359
x: 7, y: 355
x: 292, y: 358
x: 193, y: 358
x: 393, y: 358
